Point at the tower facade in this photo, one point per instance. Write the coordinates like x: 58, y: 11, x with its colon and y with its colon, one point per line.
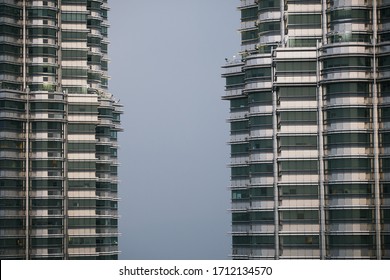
x: 58, y: 132
x: 309, y: 120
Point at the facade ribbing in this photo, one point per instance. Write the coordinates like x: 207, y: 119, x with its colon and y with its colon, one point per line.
x: 310, y: 126
x: 58, y: 132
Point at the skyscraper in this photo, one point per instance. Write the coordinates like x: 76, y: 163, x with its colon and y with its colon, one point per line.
x: 58, y: 132
x: 310, y: 130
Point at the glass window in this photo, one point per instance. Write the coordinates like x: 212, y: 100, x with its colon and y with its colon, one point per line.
x: 265, y: 48
x: 73, y: 17
x: 46, y: 242
x: 68, y: 73
x: 11, y: 223
x: 92, y: 222
x: 42, y: 70
x: 81, y: 147
x: 94, y: 5
x: 263, y: 193
x: 302, y: 42
x: 105, y: 112
x: 264, y: 97
x: 348, y: 114
x: 306, y: 20
x: 103, y: 149
x: 269, y: 27
x: 297, y: 93
x: 299, y: 216
x: 11, y: 184
x: 238, y: 149
x: 13, y: 203
x: 301, y: 117
x: 9, y: 11
x: 350, y: 215
x: 46, y: 203
x: 261, y: 145
x: 262, y: 216
x: 349, y: 139
x: 298, y: 166
x: 240, y: 217
x: 240, y: 194
x: 10, y: 49
x: 384, y: 15
x: 7, y: 68
x: 46, y: 126
x: 266, y: 240
x: 349, y: 15
x: 69, y: 54
x: 82, y: 203
x: 238, y: 126
x: 304, y: 191
x: 349, y: 37
x: 73, y: 36
x: 240, y: 171
x: 249, y: 14
x: 11, y: 145
x: 10, y: 30
x: 349, y: 165
x: 94, y: 23
x: 385, y: 164
x: 296, y: 142
x: 268, y: 4
x: 258, y: 73
x: 7, y: 125
x: 263, y: 121
x: 10, y: 164
x: 384, y: 37
x: 41, y: 13
x: 300, y: 241
x: 261, y: 169
x: 384, y: 62
x: 238, y: 103
x: 46, y: 222
x: 104, y: 132
x: 82, y: 166
x: 46, y: 184
x: 46, y: 106
x: 46, y: 32
x: 384, y: 88
x: 386, y: 215
x: 348, y: 88
x: 42, y: 51
x: 296, y: 66
x: 349, y: 189
x: 82, y: 184
x: 46, y: 164
x: 83, y: 108
x: 11, y: 105
x: 353, y: 62
x: 46, y: 145
x: 249, y: 35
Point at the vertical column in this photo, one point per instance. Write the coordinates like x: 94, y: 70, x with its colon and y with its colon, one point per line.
x: 65, y: 181
x: 275, y: 157
x: 282, y: 23
x: 321, y: 158
x: 27, y: 134
x: 59, y: 45
x: 376, y: 133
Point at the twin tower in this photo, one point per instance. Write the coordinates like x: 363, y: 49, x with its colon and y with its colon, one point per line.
x: 310, y: 130
x: 58, y: 132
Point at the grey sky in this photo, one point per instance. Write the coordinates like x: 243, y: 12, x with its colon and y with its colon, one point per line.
x: 165, y: 69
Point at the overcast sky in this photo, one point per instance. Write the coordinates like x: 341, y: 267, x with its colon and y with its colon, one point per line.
x: 165, y: 69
